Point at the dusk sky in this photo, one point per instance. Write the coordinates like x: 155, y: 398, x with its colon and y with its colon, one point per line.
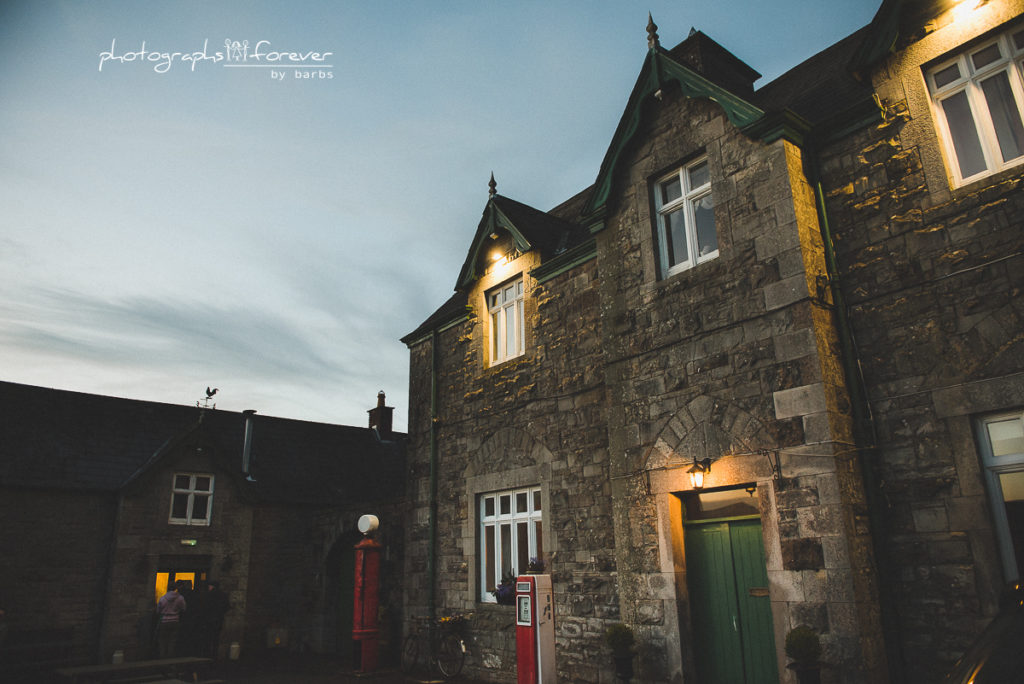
x: 172, y: 225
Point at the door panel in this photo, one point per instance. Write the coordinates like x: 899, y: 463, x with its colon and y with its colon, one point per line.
x: 716, y: 639
x: 733, y: 638
x: 755, y: 610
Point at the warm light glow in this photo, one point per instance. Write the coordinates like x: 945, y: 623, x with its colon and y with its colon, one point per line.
x: 496, y: 256
x: 963, y: 9
x: 697, y: 478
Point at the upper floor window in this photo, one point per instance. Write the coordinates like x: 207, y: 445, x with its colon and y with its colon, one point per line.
x: 686, y: 217
x: 510, y: 535
x: 505, y: 305
x: 191, y: 499
x: 978, y: 97
x: 1002, y: 455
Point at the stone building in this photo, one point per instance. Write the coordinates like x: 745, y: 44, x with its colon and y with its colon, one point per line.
x: 106, y: 501
x: 806, y: 295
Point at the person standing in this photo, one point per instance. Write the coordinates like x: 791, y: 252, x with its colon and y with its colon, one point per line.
x: 169, y: 610
x: 215, y: 605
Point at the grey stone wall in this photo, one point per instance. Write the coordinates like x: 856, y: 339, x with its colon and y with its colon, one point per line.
x: 536, y: 420
x: 735, y: 355
x: 933, y: 280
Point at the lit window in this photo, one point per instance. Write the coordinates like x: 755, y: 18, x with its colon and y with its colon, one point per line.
x: 510, y: 535
x: 1002, y: 451
x: 978, y: 97
x: 191, y: 499
x: 505, y: 305
x: 686, y: 217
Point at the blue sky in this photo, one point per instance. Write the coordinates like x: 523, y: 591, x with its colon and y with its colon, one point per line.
x: 162, y: 232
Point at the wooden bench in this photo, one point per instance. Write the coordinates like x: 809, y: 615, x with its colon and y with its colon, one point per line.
x: 167, y: 670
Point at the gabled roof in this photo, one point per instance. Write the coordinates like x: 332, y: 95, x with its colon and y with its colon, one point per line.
x: 531, y: 229
x: 55, y: 439
x: 896, y: 24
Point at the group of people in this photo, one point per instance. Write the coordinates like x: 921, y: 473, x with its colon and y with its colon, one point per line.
x: 188, y: 622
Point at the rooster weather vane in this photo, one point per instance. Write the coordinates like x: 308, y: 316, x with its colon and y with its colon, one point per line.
x: 205, y: 403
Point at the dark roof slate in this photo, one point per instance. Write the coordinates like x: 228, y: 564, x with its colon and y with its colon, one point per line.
x: 56, y: 439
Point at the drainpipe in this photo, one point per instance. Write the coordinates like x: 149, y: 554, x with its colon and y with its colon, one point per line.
x: 864, y: 427
x: 432, y: 526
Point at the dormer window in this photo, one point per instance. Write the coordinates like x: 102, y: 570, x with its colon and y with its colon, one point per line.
x: 978, y: 97
x: 191, y: 499
x: 505, y: 305
x: 686, y: 217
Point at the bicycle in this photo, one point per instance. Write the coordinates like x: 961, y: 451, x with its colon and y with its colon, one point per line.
x: 446, y: 648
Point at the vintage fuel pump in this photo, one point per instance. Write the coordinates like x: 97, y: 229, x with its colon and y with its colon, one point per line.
x: 365, y: 631
x: 535, y: 630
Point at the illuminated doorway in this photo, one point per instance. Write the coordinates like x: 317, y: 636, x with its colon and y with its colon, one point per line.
x: 734, y: 640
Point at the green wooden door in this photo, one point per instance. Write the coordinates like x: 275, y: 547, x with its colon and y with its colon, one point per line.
x: 732, y: 623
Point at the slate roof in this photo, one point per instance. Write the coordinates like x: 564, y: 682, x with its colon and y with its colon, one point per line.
x: 56, y: 439
x: 821, y: 86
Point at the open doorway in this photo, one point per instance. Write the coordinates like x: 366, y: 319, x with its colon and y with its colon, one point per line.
x: 191, y: 572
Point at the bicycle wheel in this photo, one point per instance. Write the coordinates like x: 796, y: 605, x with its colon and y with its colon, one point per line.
x: 410, y: 653
x: 451, y: 653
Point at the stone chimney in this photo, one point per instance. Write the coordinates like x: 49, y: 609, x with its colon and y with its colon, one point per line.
x: 715, y: 63
x: 380, y: 417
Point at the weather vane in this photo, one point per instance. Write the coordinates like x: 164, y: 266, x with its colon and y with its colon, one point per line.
x: 205, y: 403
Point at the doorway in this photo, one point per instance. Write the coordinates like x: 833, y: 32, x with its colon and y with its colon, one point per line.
x: 734, y: 640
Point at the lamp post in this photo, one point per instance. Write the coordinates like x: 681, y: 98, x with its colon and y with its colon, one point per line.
x: 365, y: 631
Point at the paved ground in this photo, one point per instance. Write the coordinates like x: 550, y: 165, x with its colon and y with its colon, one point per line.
x: 314, y: 670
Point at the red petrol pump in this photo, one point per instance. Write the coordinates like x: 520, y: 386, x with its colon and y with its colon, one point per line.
x: 365, y: 631
x: 535, y: 630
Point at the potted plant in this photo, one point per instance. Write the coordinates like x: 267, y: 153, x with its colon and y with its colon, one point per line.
x: 804, y: 648
x: 620, y: 640
x: 505, y: 593
x: 535, y: 566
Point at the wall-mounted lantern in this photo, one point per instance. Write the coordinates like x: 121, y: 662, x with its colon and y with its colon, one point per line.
x: 697, y: 472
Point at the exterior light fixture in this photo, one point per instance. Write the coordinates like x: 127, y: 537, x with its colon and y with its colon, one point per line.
x: 775, y: 463
x: 697, y: 472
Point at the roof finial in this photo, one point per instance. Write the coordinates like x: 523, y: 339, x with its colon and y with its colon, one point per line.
x: 493, y: 186
x: 652, y: 32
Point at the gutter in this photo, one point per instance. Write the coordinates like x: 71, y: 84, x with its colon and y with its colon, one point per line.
x: 432, y: 526
x: 865, y: 435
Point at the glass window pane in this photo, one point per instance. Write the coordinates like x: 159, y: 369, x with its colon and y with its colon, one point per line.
x: 203, y: 483
x: 519, y: 288
x: 490, y: 578
x: 1013, y: 498
x: 179, y: 506
x: 964, y: 134
x: 182, y: 481
x: 505, y: 501
x: 520, y: 340
x: 495, y: 335
x: 671, y: 191
x: 704, y: 217
x: 727, y: 504
x: 1007, y: 437
x: 1005, y: 115
x: 522, y: 501
x: 698, y: 175
x: 539, y: 537
x: 489, y: 506
x: 536, y: 500
x: 510, y: 331
x: 523, y: 546
x: 199, y: 507
x: 946, y: 76
x: 506, y: 549
x: 676, y: 242
x: 1018, y: 40
x: 986, y: 56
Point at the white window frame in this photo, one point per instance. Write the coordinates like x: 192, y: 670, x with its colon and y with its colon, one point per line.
x: 685, y: 202
x: 994, y: 466
x: 491, y: 524
x: 969, y: 83
x: 191, y: 492
x: 505, y: 308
